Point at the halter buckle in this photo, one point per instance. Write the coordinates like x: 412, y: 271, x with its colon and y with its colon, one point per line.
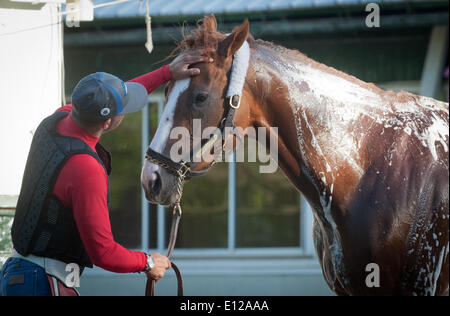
x: 232, y: 103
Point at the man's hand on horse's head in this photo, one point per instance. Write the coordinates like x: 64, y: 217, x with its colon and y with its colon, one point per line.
x: 162, y: 263
x: 179, y: 67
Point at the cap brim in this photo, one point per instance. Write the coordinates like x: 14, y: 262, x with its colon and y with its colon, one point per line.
x: 136, y: 98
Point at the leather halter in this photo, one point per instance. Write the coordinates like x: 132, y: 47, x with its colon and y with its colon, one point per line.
x: 184, y: 169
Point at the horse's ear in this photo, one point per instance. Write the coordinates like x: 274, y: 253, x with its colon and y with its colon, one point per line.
x: 234, y: 41
x: 209, y: 23
x: 212, y: 23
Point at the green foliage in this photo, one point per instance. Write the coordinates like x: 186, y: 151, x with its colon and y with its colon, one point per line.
x: 267, y: 209
x: 205, y: 210
x: 5, y: 237
x: 124, y: 144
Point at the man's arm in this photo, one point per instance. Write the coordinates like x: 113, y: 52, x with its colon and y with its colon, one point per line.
x: 178, y: 69
x: 152, y: 80
x: 83, y: 182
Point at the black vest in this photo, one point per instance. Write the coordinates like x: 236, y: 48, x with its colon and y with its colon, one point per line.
x: 42, y: 225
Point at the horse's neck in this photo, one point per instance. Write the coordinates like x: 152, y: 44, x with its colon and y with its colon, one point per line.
x: 325, y: 107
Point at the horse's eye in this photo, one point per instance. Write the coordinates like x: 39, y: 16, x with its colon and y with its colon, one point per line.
x: 200, y: 98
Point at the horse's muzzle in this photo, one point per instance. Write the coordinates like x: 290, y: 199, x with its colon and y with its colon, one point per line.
x: 158, y: 184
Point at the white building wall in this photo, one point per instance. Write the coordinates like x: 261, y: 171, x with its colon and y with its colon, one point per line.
x: 30, y: 81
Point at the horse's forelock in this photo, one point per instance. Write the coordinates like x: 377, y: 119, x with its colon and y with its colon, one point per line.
x: 201, y: 38
x: 204, y: 36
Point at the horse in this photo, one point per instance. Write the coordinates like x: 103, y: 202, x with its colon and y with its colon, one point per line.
x: 373, y: 164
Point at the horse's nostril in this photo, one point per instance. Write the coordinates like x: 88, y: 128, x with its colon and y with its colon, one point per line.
x: 155, y: 184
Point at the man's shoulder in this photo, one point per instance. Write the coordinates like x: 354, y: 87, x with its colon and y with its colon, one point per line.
x: 66, y: 108
x: 85, y: 165
x: 81, y: 174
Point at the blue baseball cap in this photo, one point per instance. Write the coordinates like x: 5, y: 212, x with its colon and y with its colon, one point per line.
x: 100, y: 96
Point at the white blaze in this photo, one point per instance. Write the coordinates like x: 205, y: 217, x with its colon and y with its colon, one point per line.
x: 166, y: 122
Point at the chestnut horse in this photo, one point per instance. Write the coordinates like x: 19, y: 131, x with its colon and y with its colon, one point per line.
x: 373, y: 164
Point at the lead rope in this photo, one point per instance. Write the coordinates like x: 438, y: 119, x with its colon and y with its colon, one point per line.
x: 176, y: 216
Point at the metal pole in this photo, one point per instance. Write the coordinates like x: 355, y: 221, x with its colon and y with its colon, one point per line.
x: 306, y: 218
x: 232, y: 202
x: 161, y: 229
x: 144, y: 203
x: 433, y: 69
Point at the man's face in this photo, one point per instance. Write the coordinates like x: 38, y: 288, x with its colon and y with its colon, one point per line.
x: 115, y: 122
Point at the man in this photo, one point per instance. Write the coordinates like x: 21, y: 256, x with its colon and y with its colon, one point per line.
x: 61, y: 225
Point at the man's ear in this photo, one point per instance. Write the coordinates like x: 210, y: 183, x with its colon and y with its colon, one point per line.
x: 107, y: 124
x: 234, y: 41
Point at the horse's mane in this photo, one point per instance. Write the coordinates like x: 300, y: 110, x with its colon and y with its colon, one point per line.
x: 298, y: 56
x: 206, y: 37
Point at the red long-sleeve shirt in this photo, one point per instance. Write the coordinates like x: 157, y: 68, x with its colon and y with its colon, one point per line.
x: 82, y: 185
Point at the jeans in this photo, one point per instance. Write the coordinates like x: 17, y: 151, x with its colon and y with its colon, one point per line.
x: 19, y: 277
